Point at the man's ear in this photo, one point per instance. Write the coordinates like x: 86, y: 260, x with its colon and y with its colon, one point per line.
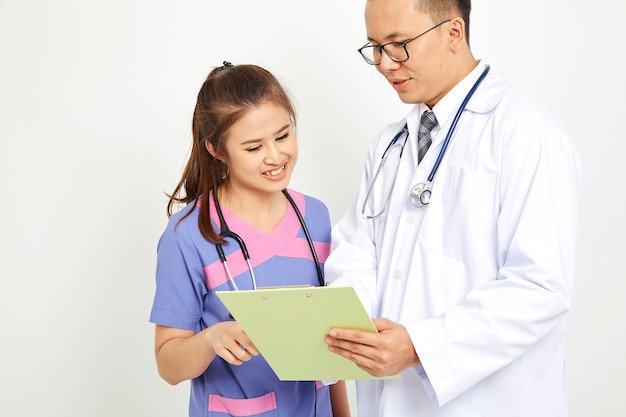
x: 456, y: 34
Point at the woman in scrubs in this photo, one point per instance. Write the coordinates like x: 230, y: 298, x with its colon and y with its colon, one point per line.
x: 244, y: 152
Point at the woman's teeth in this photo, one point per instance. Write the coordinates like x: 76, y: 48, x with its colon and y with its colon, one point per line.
x: 276, y: 172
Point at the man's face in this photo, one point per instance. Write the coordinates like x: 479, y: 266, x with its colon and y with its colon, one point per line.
x: 422, y: 78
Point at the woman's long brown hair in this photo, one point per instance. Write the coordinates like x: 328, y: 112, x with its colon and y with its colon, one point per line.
x: 224, y: 98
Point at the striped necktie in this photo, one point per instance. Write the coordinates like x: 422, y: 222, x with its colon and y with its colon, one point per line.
x: 427, y: 122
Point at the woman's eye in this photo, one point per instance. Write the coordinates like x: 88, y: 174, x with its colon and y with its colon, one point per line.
x: 256, y: 148
x: 283, y: 137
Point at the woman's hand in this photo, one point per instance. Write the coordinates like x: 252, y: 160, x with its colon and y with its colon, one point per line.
x: 230, y: 342
x: 184, y: 354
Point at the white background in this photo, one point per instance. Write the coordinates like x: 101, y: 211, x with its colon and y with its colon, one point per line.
x: 95, y: 110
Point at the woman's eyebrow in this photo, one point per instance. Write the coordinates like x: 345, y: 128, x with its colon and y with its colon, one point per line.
x: 251, y: 141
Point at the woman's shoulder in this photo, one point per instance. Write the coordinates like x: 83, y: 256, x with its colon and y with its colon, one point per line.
x: 183, y: 223
x: 307, y: 202
x: 187, y: 213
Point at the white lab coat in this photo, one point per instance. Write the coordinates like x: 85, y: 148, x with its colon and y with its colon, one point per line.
x: 482, y: 278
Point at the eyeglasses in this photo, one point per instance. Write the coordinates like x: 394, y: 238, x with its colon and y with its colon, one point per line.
x: 396, y: 51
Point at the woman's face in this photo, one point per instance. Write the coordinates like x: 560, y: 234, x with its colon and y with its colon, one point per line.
x: 261, y: 150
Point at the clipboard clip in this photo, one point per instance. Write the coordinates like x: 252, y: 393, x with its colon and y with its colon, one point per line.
x: 278, y: 287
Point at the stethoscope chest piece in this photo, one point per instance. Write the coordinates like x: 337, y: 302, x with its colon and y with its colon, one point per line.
x: 420, y: 195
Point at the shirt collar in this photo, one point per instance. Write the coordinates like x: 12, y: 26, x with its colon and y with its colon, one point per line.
x: 447, y: 107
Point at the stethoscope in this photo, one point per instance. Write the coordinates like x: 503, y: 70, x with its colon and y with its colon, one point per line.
x: 420, y: 194
x: 226, y: 232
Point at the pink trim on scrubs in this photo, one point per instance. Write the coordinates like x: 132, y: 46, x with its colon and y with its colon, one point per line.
x: 245, y: 407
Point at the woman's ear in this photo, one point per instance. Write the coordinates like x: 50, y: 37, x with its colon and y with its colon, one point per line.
x: 211, y: 149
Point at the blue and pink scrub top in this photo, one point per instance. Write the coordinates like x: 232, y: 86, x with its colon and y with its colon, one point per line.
x: 189, y: 272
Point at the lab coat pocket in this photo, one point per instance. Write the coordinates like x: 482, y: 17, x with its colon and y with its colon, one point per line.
x: 459, y: 221
x: 264, y: 406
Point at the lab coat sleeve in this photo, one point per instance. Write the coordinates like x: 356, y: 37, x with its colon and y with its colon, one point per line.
x: 507, y: 315
x: 352, y: 260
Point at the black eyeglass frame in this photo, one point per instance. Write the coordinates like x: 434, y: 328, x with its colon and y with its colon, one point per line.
x: 381, y: 48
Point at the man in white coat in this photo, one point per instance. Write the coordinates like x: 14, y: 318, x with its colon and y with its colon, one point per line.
x: 470, y: 281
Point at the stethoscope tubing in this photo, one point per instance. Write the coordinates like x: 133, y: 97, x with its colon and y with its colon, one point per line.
x: 383, y: 160
x: 457, y: 116
x: 393, y: 141
x: 420, y: 193
x: 226, y: 232
x: 318, y: 266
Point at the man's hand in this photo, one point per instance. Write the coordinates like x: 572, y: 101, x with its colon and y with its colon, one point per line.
x: 386, y: 353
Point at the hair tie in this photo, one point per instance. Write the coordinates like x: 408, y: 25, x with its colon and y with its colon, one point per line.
x: 225, y: 66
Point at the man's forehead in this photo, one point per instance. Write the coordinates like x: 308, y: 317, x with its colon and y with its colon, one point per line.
x: 384, y: 22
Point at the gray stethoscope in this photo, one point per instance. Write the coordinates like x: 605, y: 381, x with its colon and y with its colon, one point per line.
x: 420, y: 193
x: 226, y: 232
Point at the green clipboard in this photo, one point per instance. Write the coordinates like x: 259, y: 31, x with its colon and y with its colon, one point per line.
x: 288, y: 326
